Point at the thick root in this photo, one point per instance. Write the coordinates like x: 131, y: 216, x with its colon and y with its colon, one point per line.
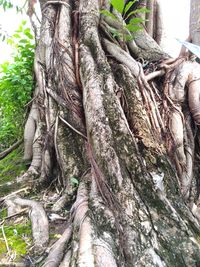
x: 57, y: 251
x: 39, y: 220
x: 81, y: 220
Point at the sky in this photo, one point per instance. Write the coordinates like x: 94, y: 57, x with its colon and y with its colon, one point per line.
x: 9, y: 23
x: 176, y: 20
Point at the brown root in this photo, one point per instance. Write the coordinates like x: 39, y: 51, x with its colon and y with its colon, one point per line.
x: 29, y: 132
x: 39, y: 220
x: 176, y: 129
x: 103, y: 255
x: 82, y: 221
x: 57, y: 251
x: 66, y: 260
x: 194, y: 98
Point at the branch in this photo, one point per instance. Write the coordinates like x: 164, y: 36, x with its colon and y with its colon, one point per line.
x: 154, y: 74
x: 5, y: 239
x: 10, y: 149
x: 70, y: 126
x: 14, y: 214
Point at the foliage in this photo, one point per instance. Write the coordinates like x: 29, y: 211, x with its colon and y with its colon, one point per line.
x: 18, y: 237
x: 16, y: 83
x: 10, y: 167
x: 7, y: 4
x: 74, y: 182
x: 132, y: 25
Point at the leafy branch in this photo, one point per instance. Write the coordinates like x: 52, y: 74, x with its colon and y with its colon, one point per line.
x: 133, y: 24
x: 16, y: 85
x: 8, y: 4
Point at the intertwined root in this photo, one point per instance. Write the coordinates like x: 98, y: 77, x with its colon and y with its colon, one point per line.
x: 105, y: 131
x: 182, y: 93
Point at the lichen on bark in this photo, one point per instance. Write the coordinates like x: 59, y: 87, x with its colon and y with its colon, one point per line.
x: 102, y: 124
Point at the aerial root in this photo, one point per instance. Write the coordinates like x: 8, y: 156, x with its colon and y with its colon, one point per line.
x: 39, y: 220
x: 83, y: 222
x: 58, y: 249
x: 66, y: 260
x: 189, y: 153
x: 104, y: 255
x: 29, y: 133
x: 176, y: 130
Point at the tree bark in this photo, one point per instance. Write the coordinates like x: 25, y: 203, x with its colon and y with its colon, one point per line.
x: 101, y: 122
x: 195, y: 22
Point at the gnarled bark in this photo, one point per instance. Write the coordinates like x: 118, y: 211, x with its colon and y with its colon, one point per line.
x: 102, y: 124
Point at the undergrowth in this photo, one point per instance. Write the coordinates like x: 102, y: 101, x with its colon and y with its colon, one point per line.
x: 18, y: 237
x: 11, y: 167
x: 16, y: 85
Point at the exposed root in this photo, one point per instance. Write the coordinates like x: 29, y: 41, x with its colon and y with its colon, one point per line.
x: 29, y: 132
x: 39, y: 220
x: 14, y: 214
x: 57, y: 251
x: 82, y: 221
x: 154, y: 74
x: 89, y: 119
x: 122, y: 56
x: 176, y: 129
x: 60, y: 203
x: 103, y: 255
x: 66, y: 261
x: 181, y: 75
x: 189, y: 153
x: 25, y: 189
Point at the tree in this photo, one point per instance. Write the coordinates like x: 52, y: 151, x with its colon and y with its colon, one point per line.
x: 194, y: 21
x: 112, y: 124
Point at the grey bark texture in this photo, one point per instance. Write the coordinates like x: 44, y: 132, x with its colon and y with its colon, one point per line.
x: 103, y: 124
x: 195, y: 21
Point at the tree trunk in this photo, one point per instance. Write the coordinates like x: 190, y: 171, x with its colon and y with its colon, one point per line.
x: 128, y: 142
x: 195, y: 21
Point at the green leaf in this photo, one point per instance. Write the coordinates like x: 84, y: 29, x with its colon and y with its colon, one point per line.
x: 74, y: 181
x: 118, y: 5
x: 129, y: 5
x: 136, y: 20
x: 116, y: 33
x: 128, y: 38
x: 23, y: 41
x: 29, y: 35
x: 16, y: 35
x: 10, y: 5
x: 137, y: 11
x: 142, y: 10
x: 107, y: 13
x: 133, y: 28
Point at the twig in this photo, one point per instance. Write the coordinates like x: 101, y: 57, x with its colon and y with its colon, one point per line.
x: 70, y: 126
x: 5, y: 239
x: 154, y: 74
x: 15, y: 214
x: 10, y: 149
x: 15, y: 192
